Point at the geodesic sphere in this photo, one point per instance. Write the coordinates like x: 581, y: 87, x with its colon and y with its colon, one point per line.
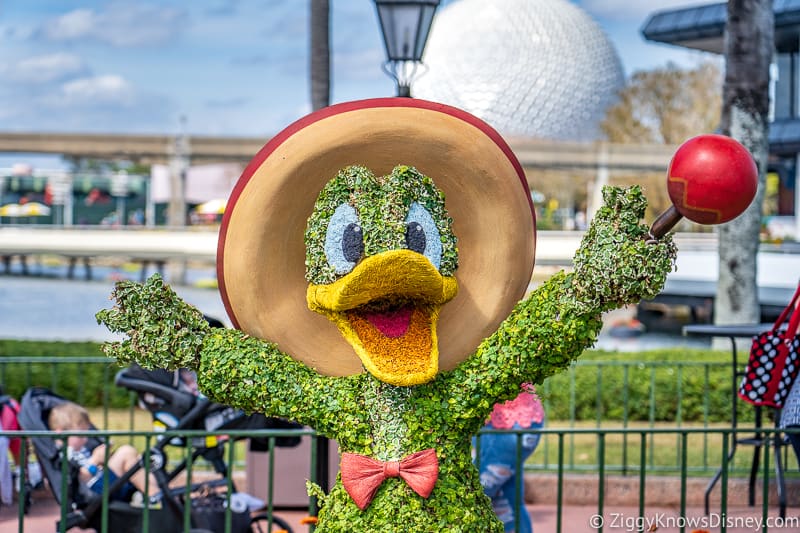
x: 530, y: 68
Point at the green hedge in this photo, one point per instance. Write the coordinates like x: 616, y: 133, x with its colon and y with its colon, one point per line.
x: 662, y: 393
x: 16, y: 348
x: 700, y: 400
x: 83, y: 382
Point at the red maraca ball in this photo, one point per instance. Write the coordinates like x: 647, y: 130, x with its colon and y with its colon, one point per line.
x: 712, y: 179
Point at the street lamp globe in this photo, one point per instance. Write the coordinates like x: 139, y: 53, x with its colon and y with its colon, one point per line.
x: 405, y: 25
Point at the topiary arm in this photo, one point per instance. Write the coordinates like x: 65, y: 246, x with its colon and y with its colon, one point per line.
x: 615, y: 265
x: 256, y: 376
x: 163, y: 331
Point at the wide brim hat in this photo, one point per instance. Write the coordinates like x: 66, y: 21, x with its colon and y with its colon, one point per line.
x: 261, y: 251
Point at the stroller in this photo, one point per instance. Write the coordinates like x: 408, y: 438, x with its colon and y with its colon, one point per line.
x: 172, y: 399
x: 207, y: 512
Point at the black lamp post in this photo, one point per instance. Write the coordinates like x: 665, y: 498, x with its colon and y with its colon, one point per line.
x: 405, y: 25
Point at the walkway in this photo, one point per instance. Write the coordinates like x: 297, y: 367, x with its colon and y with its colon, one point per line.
x: 575, y: 519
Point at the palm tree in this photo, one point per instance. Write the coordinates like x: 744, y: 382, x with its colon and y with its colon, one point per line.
x: 749, y: 47
x: 320, y: 54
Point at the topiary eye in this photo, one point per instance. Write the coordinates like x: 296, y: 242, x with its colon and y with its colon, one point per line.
x: 344, y: 242
x: 422, y: 235
x: 415, y: 237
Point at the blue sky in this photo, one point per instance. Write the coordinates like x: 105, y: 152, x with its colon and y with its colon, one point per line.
x: 230, y: 67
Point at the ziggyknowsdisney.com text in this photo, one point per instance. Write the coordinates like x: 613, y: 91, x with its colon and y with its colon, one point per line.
x: 713, y: 520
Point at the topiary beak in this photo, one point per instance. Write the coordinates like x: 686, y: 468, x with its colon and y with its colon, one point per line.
x: 387, y: 308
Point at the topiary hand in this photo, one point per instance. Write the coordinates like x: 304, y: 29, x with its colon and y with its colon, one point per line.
x: 163, y: 331
x: 615, y: 264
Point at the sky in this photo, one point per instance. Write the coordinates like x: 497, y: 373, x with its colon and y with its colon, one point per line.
x: 217, y: 67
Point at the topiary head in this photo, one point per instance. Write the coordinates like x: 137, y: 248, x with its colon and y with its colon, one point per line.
x: 380, y: 260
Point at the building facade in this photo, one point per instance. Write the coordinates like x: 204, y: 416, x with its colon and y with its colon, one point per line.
x: 702, y: 28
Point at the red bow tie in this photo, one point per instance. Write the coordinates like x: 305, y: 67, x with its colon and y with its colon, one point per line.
x: 361, y: 475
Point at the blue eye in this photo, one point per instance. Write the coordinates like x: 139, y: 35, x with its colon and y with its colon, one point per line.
x: 344, y: 242
x: 422, y: 235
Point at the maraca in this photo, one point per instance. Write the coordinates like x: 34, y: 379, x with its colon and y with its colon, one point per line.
x: 711, y: 179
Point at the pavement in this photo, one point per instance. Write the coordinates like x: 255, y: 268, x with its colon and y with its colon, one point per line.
x: 44, y: 513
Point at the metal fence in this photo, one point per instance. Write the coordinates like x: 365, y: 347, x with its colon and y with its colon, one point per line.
x: 189, y: 479
x: 767, y: 511
x: 634, y: 438
x: 639, y: 395
x: 638, y: 388
x: 621, y: 393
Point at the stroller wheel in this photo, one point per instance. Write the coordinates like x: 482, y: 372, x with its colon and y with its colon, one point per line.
x: 260, y: 524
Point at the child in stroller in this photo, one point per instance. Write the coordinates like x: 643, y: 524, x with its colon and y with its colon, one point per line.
x: 68, y: 416
x: 85, y: 506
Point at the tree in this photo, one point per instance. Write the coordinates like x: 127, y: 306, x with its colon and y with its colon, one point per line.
x: 749, y: 46
x: 666, y: 105
x: 320, y: 74
x: 320, y: 70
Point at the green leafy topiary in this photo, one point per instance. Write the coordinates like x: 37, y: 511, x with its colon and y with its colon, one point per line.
x: 157, y: 322
x: 382, y: 204
x: 542, y: 335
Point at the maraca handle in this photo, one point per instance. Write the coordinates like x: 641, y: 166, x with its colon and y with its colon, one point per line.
x: 665, y: 222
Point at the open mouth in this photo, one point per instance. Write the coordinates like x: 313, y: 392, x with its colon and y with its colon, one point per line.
x: 392, y: 323
x: 387, y: 309
x: 398, y: 341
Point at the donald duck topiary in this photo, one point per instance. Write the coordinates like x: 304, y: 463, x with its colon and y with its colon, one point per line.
x: 374, y: 257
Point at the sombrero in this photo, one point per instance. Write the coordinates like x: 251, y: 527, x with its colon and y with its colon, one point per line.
x: 261, y: 251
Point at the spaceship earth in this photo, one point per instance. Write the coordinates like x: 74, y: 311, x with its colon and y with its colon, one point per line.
x: 530, y: 68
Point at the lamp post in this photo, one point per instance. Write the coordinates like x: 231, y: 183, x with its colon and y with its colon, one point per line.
x: 405, y: 25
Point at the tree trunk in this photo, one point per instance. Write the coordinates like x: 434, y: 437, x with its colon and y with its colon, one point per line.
x: 320, y: 97
x: 749, y: 45
x: 320, y: 54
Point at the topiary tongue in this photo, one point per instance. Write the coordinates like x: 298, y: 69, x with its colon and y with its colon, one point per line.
x: 392, y: 323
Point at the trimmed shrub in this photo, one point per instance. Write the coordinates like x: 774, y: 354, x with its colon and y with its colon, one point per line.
x: 83, y: 382
x: 653, y: 388
x: 665, y: 385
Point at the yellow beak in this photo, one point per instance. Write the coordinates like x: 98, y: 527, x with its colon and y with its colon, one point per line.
x: 387, y: 308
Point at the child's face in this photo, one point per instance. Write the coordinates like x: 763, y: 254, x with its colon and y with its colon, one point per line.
x: 77, y: 442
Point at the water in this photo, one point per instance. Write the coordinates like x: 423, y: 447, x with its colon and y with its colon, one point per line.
x: 48, y: 306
